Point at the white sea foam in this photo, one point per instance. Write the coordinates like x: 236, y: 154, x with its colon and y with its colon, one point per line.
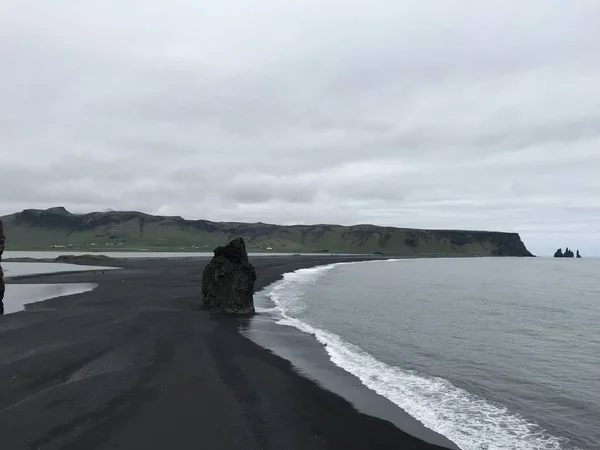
x: 260, y: 309
x: 470, y: 421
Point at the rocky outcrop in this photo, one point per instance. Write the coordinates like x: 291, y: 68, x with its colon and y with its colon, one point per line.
x: 228, y: 280
x: 83, y: 259
x: 2, y: 288
x: 2, y: 240
x: 567, y: 254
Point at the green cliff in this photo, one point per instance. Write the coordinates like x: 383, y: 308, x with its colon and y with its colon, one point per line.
x: 58, y: 229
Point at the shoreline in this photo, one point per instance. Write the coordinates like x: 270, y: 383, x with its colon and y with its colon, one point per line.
x: 164, y: 254
x: 137, y: 364
x: 310, y: 359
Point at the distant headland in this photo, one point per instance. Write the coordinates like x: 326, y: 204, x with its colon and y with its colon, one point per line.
x: 59, y: 230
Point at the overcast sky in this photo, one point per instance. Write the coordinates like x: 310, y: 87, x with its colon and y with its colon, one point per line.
x: 437, y: 114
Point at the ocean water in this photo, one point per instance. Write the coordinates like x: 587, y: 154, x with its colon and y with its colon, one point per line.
x: 17, y: 269
x: 493, y: 353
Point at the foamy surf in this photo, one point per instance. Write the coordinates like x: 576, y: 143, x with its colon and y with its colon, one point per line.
x: 470, y: 421
x: 261, y: 310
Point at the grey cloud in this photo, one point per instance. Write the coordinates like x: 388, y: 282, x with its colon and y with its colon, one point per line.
x: 464, y: 115
x: 255, y: 188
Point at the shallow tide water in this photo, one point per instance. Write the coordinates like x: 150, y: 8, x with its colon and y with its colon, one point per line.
x: 18, y: 296
x: 493, y: 353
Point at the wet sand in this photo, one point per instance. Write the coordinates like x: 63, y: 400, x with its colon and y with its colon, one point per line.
x: 137, y: 364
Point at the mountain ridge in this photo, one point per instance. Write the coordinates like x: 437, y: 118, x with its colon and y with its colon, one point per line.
x: 56, y: 227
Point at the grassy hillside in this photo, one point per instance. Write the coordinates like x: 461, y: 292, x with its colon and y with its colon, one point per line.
x: 56, y: 227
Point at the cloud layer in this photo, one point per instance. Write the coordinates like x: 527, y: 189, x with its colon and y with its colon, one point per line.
x: 458, y: 114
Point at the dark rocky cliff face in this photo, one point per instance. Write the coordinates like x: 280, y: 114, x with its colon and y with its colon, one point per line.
x: 2, y: 287
x: 228, y: 280
x: 2, y: 240
x: 509, y: 244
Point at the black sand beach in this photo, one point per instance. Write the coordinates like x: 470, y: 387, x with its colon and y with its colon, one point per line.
x: 136, y: 364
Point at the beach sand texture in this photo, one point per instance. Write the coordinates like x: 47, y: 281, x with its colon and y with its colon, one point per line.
x: 136, y: 364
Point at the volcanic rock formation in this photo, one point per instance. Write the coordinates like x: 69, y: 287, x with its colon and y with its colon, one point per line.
x: 2, y: 240
x: 567, y: 254
x: 228, y: 280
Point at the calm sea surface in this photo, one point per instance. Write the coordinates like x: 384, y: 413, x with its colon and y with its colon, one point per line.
x: 493, y: 353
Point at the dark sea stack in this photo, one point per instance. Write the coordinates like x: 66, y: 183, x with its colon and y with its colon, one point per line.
x: 578, y: 254
x: 569, y: 253
x: 559, y: 253
x: 228, y: 280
